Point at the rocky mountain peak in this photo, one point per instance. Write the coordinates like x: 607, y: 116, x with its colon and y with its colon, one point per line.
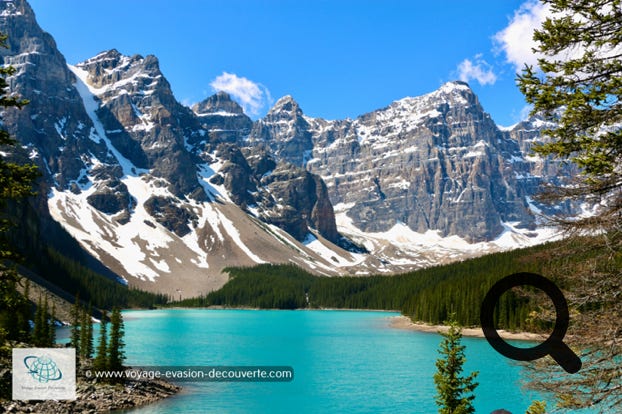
x: 452, y: 94
x: 18, y: 18
x: 219, y: 104
x: 456, y: 86
x: 112, y: 55
x: 432, y: 162
x: 114, y: 70
x: 16, y: 8
x: 286, y: 105
x: 453, y: 91
x: 456, y: 93
x: 142, y: 118
x: 285, y: 132
x: 223, y: 118
x: 54, y: 127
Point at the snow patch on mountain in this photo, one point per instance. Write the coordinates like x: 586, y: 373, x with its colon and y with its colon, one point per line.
x: 329, y: 254
x: 430, y: 248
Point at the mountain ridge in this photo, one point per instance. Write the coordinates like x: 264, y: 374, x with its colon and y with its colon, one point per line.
x: 167, y: 196
x: 394, y: 133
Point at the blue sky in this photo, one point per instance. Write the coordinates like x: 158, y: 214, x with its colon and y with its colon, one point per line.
x: 336, y: 58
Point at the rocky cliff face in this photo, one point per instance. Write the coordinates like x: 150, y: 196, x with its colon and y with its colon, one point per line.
x: 223, y: 118
x: 289, y: 197
x: 300, y: 200
x: 284, y: 132
x: 153, y: 130
x: 54, y: 127
x: 167, y: 196
x: 142, y: 118
x: 436, y: 162
x: 534, y: 172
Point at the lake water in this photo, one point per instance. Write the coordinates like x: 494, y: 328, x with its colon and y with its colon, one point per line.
x: 344, y: 362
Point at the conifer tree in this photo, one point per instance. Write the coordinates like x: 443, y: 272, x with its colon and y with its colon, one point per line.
x: 47, y: 328
x: 100, y: 363
x: 454, y: 391
x: 84, y: 331
x: 577, y: 87
x: 89, y: 332
x: 43, y: 333
x: 116, y: 355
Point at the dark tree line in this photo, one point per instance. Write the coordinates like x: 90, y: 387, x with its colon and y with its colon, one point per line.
x: 428, y: 295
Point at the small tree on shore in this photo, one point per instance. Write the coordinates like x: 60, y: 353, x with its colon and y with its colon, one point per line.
x: 116, y: 355
x: 87, y: 346
x: 100, y: 363
x: 38, y: 327
x: 454, y: 391
x: 48, y: 333
x: 110, y: 354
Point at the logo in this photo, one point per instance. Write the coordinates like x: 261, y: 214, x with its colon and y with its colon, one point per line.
x: 44, y: 374
x: 43, y: 368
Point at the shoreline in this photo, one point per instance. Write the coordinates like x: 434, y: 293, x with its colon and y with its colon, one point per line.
x: 396, y: 322
x: 404, y: 322
x: 221, y: 307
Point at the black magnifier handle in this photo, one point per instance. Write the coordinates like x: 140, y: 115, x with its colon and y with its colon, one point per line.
x: 565, y: 357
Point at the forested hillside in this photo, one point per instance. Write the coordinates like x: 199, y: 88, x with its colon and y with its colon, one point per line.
x: 47, y: 253
x: 427, y: 295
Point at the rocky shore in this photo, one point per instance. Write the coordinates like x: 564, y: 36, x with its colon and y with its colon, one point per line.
x: 94, y: 398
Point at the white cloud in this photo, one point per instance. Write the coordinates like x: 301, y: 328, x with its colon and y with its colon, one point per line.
x: 479, y: 70
x: 516, y: 40
x: 253, y: 97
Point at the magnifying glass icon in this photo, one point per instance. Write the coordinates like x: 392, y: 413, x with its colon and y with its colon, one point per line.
x: 554, y: 345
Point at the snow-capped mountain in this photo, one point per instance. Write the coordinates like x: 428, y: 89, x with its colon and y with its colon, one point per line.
x: 166, y: 196
x: 435, y: 162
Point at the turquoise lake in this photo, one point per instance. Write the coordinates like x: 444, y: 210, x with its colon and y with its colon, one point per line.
x: 344, y: 362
